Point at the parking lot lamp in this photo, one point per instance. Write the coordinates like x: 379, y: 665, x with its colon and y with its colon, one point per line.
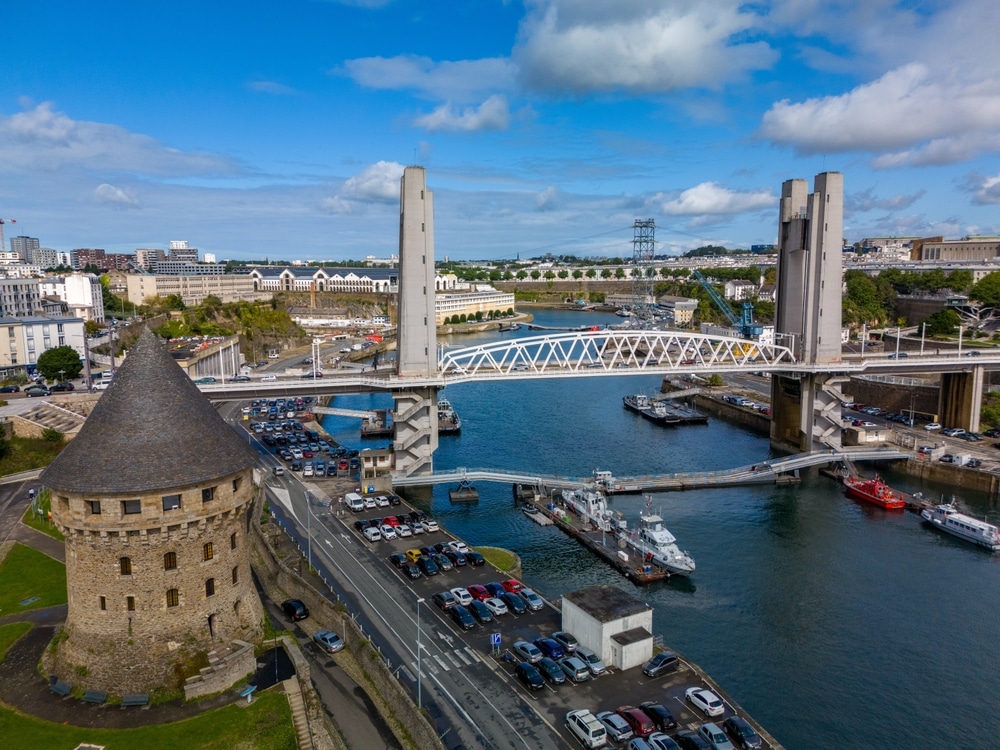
x: 420, y: 704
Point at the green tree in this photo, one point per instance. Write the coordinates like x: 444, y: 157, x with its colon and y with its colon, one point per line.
x: 92, y: 327
x: 522, y: 275
x: 715, y: 380
x: 479, y: 316
x: 987, y: 289
x: 591, y: 273
x: 943, y: 322
x: 62, y: 362
x: 577, y: 274
x: 535, y: 275
x: 174, y: 302
x: 619, y: 273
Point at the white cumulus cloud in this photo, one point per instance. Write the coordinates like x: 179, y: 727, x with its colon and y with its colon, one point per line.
x: 548, y: 199
x: 116, y: 197
x: 712, y: 198
x: 492, y: 114
x: 579, y: 46
x: 379, y: 183
x: 461, y: 80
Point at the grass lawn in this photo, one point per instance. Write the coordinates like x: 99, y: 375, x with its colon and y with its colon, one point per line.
x: 40, y: 521
x: 26, y: 573
x: 10, y: 633
x: 264, y: 725
x: 500, y: 559
x: 29, y: 453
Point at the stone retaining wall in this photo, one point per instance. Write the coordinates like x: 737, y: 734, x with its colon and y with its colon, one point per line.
x: 223, y: 670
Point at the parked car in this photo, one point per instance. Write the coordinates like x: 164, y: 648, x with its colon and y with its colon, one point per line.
x: 592, y: 660
x: 512, y: 585
x: 205, y: 381
x: 689, y: 740
x: 741, y: 733
x: 514, y: 603
x: 531, y: 599
x: 586, y: 728
x: 478, y: 592
x: 551, y: 670
x: 37, y: 390
x: 63, y: 386
x: 444, y: 599
x: 617, y: 728
x: 953, y: 431
x: 717, y: 739
x: 459, y: 546
x: 475, y: 559
x: 705, y: 701
x: 494, y: 588
x: 462, y: 617
x: 550, y: 647
x: 661, y: 664
x: 329, y: 641
x: 495, y: 606
x: 412, y: 571
x: 462, y: 596
x: 640, y: 724
x: 372, y: 534
x: 398, y: 560
x: 661, y: 741
x: 566, y: 640
x: 527, y: 651
x: 10, y: 389
x: 530, y: 676
x: 660, y: 715
x: 480, y: 611
x: 574, y: 668
x: 444, y: 563
x: 427, y: 566
x: 430, y: 525
x: 294, y: 610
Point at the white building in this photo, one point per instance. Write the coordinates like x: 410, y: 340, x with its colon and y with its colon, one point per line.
x: 739, y: 289
x: 482, y: 300
x: 81, y: 292
x: 24, y: 339
x: 611, y: 623
x: 19, y: 297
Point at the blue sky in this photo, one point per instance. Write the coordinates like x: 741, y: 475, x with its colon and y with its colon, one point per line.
x: 260, y: 129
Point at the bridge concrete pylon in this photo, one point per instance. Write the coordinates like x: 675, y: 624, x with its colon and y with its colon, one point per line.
x: 805, y: 407
x: 416, y: 431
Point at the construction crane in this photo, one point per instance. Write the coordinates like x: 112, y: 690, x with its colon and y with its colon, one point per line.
x: 3, y: 247
x: 744, y: 323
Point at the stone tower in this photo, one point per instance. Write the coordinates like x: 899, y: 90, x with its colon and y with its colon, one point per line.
x: 153, y: 497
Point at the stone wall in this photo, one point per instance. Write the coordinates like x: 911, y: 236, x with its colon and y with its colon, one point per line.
x: 360, y: 659
x: 225, y: 668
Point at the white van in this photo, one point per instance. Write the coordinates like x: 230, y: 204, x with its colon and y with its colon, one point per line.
x: 354, y: 501
x: 587, y: 728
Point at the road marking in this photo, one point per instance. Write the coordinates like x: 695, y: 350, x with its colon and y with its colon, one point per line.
x: 440, y: 661
x: 465, y: 659
x: 408, y: 673
x: 451, y: 657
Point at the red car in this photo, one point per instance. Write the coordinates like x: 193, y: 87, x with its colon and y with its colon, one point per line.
x: 479, y: 592
x: 512, y: 585
x: 391, y: 521
x: 636, y: 718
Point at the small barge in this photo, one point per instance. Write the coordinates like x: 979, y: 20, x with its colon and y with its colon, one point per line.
x: 448, y: 419
x: 379, y: 426
x: 662, y: 411
x: 464, y: 493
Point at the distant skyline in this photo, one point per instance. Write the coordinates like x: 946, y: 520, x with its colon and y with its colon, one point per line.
x: 261, y: 130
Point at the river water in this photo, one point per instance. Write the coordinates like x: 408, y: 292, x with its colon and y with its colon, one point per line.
x: 835, y: 624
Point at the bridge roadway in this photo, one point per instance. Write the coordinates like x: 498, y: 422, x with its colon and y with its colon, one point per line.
x: 767, y: 471
x: 600, y: 354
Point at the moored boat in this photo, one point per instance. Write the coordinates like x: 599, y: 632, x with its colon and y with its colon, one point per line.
x: 448, y: 419
x: 947, y: 518
x: 874, y: 491
x: 658, y: 545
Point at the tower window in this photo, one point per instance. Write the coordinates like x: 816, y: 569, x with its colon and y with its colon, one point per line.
x: 236, y: 575
x: 170, y: 561
x: 171, y: 502
x: 232, y: 540
x: 207, y: 494
x: 236, y: 484
x: 95, y: 507
x: 125, y: 565
x: 131, y: 507
x: 130, y: 603
x: 173, y: 598
x: 104, y: 604
x: 210, y: 587
x: 209, y: 551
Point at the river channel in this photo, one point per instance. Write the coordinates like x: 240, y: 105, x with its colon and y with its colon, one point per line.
x: 835, y: 624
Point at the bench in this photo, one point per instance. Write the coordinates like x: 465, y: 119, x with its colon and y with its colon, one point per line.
x: 136, y: 699
x: 95, y: 696
x: 59, y: 687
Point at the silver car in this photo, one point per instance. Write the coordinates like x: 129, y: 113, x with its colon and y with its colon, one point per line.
x: 575, y: 669
x: 618, y: 728
x: 330, y: 641
x: 592, y: 660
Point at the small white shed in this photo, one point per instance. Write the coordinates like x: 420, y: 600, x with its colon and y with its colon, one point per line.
x: 612, y: 623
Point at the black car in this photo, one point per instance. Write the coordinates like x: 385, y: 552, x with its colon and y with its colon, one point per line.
x: 37, y: 390
x: 394, y: 500
x: 427, y: 566
x: 991, y: 433
x: 362, y: 524
x: 417, y: 516
x: 481, y: 612
x: 661, y: 717
x: 514, y: 603
x: 474, y: 559
x: 398, y: 559
x: 741, y: 733
x: 689, y: 740
x: 462, y: 617
x: 10, y: 389
x: 239, y: 379
x: 294, y: 609
x: 530, y: 676
x: 661, y: 664
x: 456, y: 557
x: 412, y: 570
x: 64, y: 386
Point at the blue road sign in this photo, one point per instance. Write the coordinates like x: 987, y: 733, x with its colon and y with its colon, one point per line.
x: 494, y: 639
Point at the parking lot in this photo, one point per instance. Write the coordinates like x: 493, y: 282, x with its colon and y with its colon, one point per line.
x: 605, y: 692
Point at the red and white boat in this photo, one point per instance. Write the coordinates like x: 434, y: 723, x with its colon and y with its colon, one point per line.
x: 874, y: 491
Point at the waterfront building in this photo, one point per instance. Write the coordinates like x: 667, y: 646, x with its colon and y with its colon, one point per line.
x: 679, y: 309
x: 481, y: 300
x: 610, y: 622
x: 967, y: 249
x: 193, y: 289
x: 157, y: 555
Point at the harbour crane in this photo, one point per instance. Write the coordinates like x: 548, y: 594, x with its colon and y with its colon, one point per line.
x: 744, y: 323
x: 3, y: 247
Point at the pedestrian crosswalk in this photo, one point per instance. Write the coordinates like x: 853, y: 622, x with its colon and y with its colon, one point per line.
x: 446, y: 660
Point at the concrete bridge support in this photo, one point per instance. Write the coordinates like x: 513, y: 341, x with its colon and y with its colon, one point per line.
x: 416, y: 431
x: 805, y: 411
x: 961, y: 398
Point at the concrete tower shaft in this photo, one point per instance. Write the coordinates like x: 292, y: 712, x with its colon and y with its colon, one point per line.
x: 417, y: 342
x: 810, y: 242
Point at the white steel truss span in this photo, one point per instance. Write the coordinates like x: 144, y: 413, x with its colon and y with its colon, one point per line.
x: 612, y: 351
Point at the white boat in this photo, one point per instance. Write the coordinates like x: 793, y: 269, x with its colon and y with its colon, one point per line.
x: 592, y: 507
x: 947, y: 518
x: 448, y: 419
x: 659, y: 546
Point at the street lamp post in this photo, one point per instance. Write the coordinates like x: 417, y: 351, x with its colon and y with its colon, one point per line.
x: 899, y: 332
x: 960, y: 341
x: 864, y: 335
x: 420, y: 703
x: 923, y: 334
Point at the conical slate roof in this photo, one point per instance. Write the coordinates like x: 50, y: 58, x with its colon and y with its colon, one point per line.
x: 151, y: 430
